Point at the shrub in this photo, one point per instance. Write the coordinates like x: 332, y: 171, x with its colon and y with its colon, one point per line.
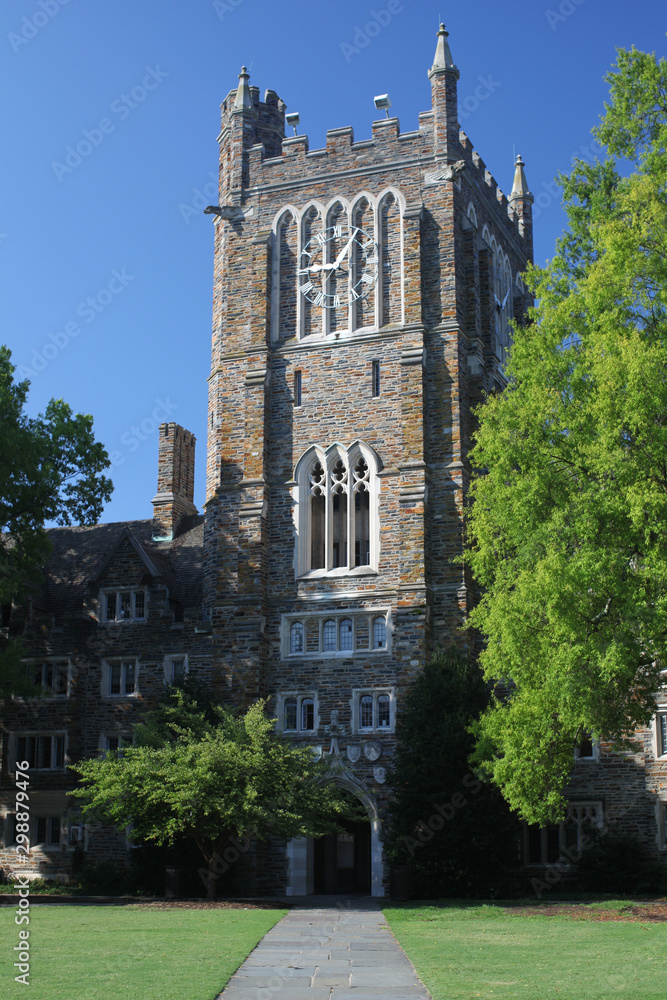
x: 617, y: 862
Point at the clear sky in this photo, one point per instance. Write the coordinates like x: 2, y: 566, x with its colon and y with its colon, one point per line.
x: 106, y: 258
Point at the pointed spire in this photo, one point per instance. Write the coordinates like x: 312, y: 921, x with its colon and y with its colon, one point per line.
x: 520, y: 186
x: 243, y: 100
x: 443, y: 61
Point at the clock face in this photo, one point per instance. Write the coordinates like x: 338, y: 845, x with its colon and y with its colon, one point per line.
x: 338, y: 266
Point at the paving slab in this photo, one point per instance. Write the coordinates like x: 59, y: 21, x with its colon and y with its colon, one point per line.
x: 341, y: 951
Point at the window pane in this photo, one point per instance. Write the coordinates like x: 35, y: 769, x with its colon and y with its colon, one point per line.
x: 40, y: 829
x: 58, y: 751
x: 329, y: 636
x: 129, y: 678
x: 114, y: 678
x: 362, y: 549
x: 339, y: 554
x: 366, y: 712
x: 47, y: 676
x: 663, y: 734
x: 307, y: 714
x: 54, y: 830
x: 111, y: 607
x: 586, y: 747
x: 383, y: 711
x: 112, y: 742
x: 139, y: 604
x: 345, y: 633
x: 317, y: 532
x: 43, y: 751
x: 379, y: 633
x: 177, y: 669
x: 290, y: 714
x: 125, y: 606
x: 296, y: 637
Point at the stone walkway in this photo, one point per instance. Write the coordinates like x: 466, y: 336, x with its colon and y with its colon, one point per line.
x: 332, y: 952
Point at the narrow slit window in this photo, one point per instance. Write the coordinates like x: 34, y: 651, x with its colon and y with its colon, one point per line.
x: 662, y: 734
x: 307, y: 713
x: 379, y: 633
x: 375, y: 378
x: 329, y: 636
x: 346, y: 635
x: 296, y: 637
x: 297, y: 388
x: 366, y: 712
x: 290, y: 713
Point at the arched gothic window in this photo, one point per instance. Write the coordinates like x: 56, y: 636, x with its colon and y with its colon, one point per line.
x: 337, y: 529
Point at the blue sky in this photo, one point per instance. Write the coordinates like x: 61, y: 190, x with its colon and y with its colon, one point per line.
x: 106, y: 260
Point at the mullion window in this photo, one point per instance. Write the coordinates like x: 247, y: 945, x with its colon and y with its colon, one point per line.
x: 662, y: 734
x: 122, y: 678
x: 124, y: 606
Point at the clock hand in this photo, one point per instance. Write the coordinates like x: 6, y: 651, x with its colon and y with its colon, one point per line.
x: 339, y: 259
x: 314, y: 268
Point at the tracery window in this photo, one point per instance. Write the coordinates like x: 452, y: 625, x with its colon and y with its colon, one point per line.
x: 337, y: 500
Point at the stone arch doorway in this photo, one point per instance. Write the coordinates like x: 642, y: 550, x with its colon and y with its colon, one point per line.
x: 342, y: 861
x: 324, y: 867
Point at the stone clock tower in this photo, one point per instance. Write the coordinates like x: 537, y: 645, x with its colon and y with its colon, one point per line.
x: 362, y: 296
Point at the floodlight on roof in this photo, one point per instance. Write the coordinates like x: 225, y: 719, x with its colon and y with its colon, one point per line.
x: 382, y: 103
x: 292, y: 120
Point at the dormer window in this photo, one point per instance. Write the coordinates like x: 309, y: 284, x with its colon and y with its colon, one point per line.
x: 123, y: 605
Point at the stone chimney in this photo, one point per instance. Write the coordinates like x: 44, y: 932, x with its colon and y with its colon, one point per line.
x: 175, y: 481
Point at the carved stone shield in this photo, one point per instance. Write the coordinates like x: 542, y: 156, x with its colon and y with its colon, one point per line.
x: 353, y: 752
x: 380, y: 775
x: 372, y: 750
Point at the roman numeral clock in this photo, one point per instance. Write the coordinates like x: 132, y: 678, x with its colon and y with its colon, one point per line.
x: 337, y: 266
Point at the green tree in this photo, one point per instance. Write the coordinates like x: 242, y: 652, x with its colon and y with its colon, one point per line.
x: 50, y: 470
x: 566, y: 529
x: 453, y: 830
x: 224, y: 780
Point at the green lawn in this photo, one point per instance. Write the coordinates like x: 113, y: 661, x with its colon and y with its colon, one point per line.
x: 463, y: 951
x: 106, y: 952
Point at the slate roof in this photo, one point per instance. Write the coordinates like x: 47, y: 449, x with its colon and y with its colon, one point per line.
x: 80, y: 554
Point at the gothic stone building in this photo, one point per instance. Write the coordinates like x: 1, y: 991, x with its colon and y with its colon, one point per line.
x: 362, y: 296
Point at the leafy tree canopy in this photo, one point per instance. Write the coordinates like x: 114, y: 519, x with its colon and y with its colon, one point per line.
x: 566, y: 530
x: 50, y: 470
x: 215, y: 780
